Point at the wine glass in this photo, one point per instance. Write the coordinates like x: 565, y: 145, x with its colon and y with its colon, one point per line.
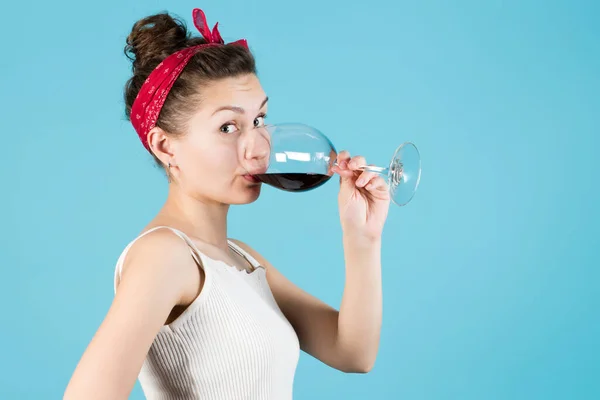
x: 301, y: 159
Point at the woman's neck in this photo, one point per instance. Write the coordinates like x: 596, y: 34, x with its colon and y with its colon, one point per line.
x: 202, y: 219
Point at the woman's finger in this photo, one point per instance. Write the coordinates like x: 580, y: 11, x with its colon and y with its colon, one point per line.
x: 357, y: 162
x: 377, y: 183
x: 343, y: 173
x: 343, y: 158
x: 364, y: 178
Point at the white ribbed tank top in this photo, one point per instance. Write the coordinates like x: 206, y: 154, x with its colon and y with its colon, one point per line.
x: 232, y: 342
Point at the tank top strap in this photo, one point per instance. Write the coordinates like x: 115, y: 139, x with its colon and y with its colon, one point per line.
x: 196, y: 254
x: 251, y: 260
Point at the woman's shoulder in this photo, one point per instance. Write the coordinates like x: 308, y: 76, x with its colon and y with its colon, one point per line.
x: 159, y: 243
x: 160, y: 252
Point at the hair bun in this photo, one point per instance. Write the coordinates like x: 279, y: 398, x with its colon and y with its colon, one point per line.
x: 154, y: 38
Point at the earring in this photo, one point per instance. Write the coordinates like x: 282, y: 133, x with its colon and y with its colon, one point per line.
x: 169, y: 165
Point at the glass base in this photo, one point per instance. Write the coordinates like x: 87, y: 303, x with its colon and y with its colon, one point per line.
x: 404, y: 173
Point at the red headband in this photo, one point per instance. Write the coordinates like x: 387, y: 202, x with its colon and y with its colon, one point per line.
x: 151, y: 97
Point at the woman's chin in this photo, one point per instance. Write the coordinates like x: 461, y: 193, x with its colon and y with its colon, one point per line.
x: 248, y: 195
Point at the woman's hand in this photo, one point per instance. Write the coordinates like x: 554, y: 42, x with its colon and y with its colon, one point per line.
x: 363, y: 198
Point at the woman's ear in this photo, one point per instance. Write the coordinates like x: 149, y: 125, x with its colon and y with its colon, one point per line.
x: 161, y: 145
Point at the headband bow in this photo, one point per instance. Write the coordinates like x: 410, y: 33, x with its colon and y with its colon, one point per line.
x: 153, y: 93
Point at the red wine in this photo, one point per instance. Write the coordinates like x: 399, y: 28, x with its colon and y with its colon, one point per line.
x: 294, y: 182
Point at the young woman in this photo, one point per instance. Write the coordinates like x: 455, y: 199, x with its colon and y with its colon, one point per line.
x: 197, y: 315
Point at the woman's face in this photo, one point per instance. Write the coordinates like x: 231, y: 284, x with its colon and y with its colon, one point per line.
x: 225, y: 144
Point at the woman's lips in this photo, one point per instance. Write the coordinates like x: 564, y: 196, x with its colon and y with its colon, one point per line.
x: 251, y: 178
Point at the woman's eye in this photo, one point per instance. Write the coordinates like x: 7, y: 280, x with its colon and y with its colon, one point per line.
x: 259, y: 121
x: 228, y: 128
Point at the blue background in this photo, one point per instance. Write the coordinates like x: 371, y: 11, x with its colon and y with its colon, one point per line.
x: 490, y: 274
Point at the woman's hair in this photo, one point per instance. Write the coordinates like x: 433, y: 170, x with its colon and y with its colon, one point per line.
x: 154, y: 38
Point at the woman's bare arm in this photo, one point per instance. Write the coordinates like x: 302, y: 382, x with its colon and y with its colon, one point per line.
x: 348, y: 339
x: 159, y: 274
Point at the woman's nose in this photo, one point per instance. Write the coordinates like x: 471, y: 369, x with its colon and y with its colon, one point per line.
x: 257, y: 145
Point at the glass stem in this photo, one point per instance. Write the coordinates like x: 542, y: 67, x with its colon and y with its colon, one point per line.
x: 371, y: 168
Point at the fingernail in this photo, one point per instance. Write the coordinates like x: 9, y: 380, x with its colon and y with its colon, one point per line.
x: 344, y: 164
